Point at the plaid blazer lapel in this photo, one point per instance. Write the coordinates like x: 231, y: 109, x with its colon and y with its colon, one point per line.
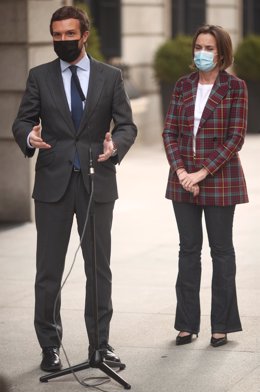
x: 189, y: 96
x: 218, y: 92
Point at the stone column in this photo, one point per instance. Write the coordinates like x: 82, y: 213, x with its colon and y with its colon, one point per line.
x: 145, y: 25
x: 227, y: 14
x: 24, y: 42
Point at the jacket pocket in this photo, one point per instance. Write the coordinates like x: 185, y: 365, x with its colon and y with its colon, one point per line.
x: 108, y: 165
x: 45, y: 158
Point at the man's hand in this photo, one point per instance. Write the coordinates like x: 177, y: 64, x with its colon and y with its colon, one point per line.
x: 35, y: 139
x: 107, y: 148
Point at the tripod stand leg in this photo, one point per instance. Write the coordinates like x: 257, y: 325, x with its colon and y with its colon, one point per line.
x: 112, y: 374
x: 86, y: 365
x: 63, y: 372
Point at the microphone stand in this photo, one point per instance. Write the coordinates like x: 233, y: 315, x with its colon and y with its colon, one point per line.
x: 96, y: 360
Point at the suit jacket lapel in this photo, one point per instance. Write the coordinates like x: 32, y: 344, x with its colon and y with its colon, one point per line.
x: 58, y: 93
x: 56, y: 87
x: 96, y: 83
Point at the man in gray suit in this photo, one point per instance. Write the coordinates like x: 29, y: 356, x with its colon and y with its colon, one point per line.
x: 70, y: 136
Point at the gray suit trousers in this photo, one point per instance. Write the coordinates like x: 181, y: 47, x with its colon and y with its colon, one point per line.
x: 54, y: 223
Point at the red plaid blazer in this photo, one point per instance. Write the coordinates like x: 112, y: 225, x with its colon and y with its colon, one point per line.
x: 220, y: 136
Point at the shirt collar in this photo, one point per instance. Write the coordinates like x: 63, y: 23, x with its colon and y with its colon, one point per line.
x: 84, y: 64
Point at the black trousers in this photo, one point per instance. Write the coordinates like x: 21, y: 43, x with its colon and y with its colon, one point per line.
x: 53, y: 223
x: 219, y: 226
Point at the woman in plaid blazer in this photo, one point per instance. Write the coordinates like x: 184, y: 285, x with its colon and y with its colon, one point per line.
x: 204, y: 130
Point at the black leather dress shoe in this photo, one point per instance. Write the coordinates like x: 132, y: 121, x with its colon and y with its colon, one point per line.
x: 217, y: 342
x: 108, y: 354
x: 105, y: 351
x: 50, y: 359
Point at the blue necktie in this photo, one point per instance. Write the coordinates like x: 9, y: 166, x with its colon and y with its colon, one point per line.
x: 76, y: 105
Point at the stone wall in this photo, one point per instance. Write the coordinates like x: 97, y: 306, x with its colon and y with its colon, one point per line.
x: 145, y: 25
x: 24, y: 42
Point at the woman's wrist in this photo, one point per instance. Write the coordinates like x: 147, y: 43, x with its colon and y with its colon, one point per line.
x: 204, y: 172
x: 180, y: 171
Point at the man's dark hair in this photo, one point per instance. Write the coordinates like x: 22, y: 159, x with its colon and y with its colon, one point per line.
x: 69, y: 12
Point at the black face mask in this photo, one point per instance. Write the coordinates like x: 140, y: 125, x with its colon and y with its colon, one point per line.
x: 67, y: 50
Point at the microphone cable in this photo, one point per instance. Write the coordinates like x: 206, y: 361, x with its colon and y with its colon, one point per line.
x: 104, y: 379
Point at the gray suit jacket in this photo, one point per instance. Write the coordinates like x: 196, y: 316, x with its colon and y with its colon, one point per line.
x: 45, y: 101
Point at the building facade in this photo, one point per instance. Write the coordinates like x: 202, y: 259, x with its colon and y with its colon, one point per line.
x: 130, y: 33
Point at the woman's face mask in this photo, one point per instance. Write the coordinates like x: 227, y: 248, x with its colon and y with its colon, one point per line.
x: 204, y: 60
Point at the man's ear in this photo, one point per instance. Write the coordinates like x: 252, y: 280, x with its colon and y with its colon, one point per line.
x: 85, y: 36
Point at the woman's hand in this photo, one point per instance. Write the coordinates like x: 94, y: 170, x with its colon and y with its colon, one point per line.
x: 188, y: 181
x: 195, y: 190
x: 191, y: 179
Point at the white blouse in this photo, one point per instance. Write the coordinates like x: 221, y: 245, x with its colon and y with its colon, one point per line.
x: 203, y: 92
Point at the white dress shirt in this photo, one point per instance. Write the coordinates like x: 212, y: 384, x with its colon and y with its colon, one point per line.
x: 83, y: 72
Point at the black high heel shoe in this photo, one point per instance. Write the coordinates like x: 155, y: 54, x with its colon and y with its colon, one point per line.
x: 180, y: 340
x: 217, y: 342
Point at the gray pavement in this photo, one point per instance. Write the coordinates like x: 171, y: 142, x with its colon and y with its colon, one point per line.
x: 144, y: 264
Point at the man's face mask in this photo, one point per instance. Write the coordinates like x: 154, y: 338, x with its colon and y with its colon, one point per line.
x: 67, y: 50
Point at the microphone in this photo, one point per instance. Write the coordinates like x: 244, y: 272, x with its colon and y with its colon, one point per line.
x: 91, y: 167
